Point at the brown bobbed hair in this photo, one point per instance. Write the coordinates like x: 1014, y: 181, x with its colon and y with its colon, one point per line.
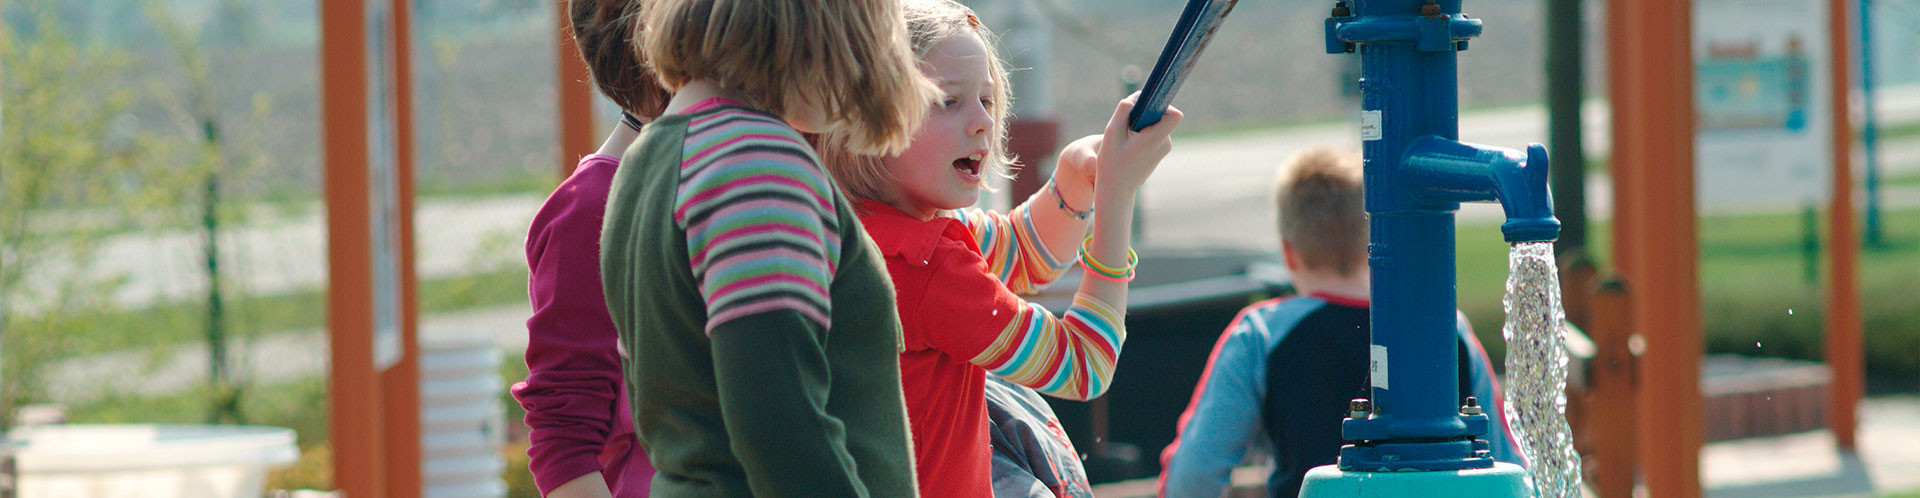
x: 603, y: 36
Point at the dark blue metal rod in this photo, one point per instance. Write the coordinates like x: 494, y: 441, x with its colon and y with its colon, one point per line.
x: 1190, y: 35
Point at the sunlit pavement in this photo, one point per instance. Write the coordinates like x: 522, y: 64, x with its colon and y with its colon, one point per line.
x: 1886, y: 460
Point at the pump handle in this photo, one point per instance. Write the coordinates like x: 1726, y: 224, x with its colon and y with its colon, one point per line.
x: 1190, y: 35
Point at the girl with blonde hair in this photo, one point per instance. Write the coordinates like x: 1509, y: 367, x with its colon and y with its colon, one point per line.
x: 957, y: 272
x: 758, y: 319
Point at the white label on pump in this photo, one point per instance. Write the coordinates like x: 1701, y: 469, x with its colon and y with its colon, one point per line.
x: 1378, y: 367
x: 1370, y: 125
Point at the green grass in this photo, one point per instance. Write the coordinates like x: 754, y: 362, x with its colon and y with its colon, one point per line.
x: 182, y: 322
x: 1751, y: 274
x: 300, y: 405
x: 1898, y: 130
x: 518, y: 183
x: 1901, y: 180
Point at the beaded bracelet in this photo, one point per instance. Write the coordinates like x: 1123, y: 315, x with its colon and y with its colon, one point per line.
x: 1104, y: 272
x: 1062, y: 200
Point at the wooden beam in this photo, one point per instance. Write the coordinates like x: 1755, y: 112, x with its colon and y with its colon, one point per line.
x: 575, y: 96
x: 1844, y: 347
x: 353, y: 401
x: 1655, y: 239
x: 400, y: 384
x: 1611, y: 394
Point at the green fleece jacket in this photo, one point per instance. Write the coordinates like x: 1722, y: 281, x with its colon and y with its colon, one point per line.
x: 759, y: 322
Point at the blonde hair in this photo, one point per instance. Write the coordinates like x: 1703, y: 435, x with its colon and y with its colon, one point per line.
x: 928, y: 23
x: 1322, y: 202
x: 847, y: 57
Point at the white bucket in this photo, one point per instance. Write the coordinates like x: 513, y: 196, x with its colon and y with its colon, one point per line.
x: 462, y: 423
x: 148, y: 460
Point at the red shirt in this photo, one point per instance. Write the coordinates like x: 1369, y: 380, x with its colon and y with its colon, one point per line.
x: 951, y: 309
x: 574, y: 395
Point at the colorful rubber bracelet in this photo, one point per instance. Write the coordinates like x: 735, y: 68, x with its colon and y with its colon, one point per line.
x: 1119, y: 280
x: 1062, y: 201
x: 1094, y: 266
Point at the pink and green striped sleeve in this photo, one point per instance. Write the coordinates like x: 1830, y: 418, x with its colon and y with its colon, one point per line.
x: 758, y: 213
x: 1015, y: 252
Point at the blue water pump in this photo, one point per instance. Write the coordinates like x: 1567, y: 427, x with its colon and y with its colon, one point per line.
x: 1414, y: 436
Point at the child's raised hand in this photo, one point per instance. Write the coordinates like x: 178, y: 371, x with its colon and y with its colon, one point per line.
x: 1127, y: 157
x: 1077, y: 170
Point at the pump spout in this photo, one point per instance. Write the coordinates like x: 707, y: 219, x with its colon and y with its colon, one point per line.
x: 1442, y: 170
x: 1524, y: 195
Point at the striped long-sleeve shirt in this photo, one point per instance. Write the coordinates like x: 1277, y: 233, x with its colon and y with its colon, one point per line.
x: 962, y: 320
x: 748, y: 296
x: 1013, y: 248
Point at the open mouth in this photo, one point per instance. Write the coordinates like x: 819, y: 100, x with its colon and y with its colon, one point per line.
x: 969, y: 165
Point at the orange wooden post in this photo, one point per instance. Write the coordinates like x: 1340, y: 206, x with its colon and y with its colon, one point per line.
x: 575, y: 96
x: 1611, y: 394
x: 1622, y: 48
x: 1655, y: 233
x: 353, y: 401
x: 1843, y: 341
x: 400, y: 384
x: 373, y: 409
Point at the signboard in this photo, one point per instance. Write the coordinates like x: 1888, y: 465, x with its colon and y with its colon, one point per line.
x: 1761, y: 109
x: 384, y: 193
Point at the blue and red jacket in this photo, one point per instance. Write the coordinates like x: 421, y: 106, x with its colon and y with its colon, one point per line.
x: 1284, y: 371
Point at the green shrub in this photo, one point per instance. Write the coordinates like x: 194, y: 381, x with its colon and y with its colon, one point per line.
x: 1754, y: 298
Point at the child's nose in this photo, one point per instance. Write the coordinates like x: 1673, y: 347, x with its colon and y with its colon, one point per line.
x: 980, y: 123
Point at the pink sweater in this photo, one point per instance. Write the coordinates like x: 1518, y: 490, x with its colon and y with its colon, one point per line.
x: 575, y: 401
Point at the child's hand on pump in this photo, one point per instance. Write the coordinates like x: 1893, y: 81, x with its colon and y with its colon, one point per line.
x: 1126, y: 158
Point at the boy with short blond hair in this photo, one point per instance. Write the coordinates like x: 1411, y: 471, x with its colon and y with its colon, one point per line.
x: 1286, y: 367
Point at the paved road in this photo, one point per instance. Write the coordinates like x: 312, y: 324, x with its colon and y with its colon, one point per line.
x: 1211, y: 191
x: 1215, y: 191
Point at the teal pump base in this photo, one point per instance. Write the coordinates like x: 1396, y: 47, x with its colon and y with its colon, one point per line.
x: 1504, y: 480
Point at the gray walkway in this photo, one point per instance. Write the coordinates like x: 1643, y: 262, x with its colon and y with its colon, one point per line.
x: 1215, y: 191
x: 1887, y: 459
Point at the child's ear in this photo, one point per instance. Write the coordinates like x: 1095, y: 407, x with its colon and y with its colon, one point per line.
x: 1292, y: 260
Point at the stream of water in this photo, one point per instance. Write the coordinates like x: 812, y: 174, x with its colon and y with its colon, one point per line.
x: 1536, y: 398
